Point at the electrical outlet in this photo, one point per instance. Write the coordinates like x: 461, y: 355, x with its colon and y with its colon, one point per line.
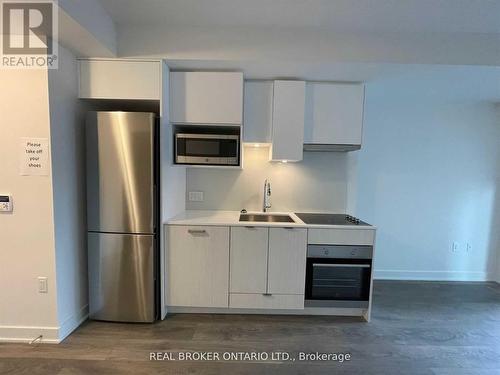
x: 43, y: 285
x: 455, y: 247
x: 195, y: 196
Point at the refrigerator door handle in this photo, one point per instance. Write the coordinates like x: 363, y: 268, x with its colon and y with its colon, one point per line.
x: 155, y: 209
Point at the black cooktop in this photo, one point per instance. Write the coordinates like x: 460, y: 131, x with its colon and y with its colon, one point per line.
x: 329, y: 219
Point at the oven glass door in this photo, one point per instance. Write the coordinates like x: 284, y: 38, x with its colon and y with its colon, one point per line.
x: 338, y: 279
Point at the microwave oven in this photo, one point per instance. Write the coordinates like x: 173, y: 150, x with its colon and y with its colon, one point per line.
x: 207, y: 149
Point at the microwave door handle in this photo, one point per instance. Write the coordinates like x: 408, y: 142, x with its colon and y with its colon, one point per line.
x: 206, y: 136
x: 341, y: 265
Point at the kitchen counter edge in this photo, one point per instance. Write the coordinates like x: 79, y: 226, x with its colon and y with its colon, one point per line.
x: 231, y: 218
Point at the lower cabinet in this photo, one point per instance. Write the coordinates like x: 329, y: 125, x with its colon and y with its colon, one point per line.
x: 197, y: 266
x: 248, y: 260
x: 237, y: 267
x: 267, y: 267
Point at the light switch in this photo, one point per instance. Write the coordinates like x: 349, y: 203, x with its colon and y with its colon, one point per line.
x: 195, y: 196
x: 43, y: 285
x: 6, y: 203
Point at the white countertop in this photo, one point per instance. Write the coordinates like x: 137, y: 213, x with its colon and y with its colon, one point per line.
x: 231, y: 218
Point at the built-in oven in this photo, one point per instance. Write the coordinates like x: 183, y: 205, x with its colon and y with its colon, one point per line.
x: 338, y: 276
x: 207, y: 148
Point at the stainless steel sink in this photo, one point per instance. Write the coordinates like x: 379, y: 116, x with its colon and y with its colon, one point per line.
x: 267, y: 218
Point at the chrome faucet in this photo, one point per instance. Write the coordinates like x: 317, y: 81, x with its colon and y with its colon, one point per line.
x: 267, y: 196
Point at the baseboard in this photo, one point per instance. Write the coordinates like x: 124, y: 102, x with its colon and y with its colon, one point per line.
x: 73, y: 322
x: 26, y: 334
x: 339, y: 311
x: 50, y: 335
x: 432, y: 275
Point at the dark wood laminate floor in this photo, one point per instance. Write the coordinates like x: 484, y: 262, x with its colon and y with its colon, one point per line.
x: 417, y: 328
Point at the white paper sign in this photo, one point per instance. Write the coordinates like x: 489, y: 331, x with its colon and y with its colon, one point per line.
x: 34, y: 157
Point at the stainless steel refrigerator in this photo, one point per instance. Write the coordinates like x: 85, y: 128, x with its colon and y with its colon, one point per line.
x: 122, y: 206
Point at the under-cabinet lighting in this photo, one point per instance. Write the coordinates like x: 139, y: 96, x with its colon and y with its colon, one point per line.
x: 256, y: 145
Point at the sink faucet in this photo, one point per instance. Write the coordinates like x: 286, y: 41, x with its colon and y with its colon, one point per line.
x: 267, y: 196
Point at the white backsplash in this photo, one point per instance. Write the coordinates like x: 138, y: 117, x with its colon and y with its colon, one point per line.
x: 318, y: 183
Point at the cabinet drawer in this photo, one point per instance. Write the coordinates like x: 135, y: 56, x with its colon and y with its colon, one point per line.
x: 341, y: 236
x: 259, y: 301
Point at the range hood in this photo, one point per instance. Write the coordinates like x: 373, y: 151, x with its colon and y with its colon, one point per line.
x: 319, y: 147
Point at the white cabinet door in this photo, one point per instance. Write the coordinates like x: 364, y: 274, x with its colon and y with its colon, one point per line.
x: 287, y: 260
x: 334, y: 113
x: 119, y: 79
x: 248, y: 265
x: 197, y: 266
x: 206, y: 97
x: 288, y: 120
x: 258, y: 111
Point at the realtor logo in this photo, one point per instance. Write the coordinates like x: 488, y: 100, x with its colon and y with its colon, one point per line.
x: 29, y: 34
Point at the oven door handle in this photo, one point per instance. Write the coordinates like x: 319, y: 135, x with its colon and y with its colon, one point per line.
x: 341, y: 265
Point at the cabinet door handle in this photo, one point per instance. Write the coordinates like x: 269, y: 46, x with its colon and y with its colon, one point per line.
x: 267, y: 294
x: 197, y: 231
x: 249, y: 227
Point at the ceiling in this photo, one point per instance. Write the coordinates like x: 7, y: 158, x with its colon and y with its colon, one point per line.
x: 443, y: 49
x: 415, y: 16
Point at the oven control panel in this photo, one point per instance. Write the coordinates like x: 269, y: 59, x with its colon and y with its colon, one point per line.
x: 339, y: 251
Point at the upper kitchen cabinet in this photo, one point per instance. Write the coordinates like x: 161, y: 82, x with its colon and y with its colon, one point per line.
x: 334, y: 116
x: 258, y: 111
x: 120, y: 79
x: 288, y: 120
x: 206, y: 98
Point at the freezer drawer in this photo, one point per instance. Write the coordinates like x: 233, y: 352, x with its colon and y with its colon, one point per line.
x: 121, y: 277
x: 120, y: 172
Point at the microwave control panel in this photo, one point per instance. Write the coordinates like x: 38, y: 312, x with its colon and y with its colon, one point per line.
x: 5, y: 203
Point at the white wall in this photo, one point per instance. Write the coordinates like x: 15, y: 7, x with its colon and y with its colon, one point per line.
x: 173, y: 178
x: 27, y: 246
x: 428, y: 175
x: 45, y: 234
x: 497, y: 211
x: 318, y: 183
x: 68, y: 176
x: 86, y: 27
